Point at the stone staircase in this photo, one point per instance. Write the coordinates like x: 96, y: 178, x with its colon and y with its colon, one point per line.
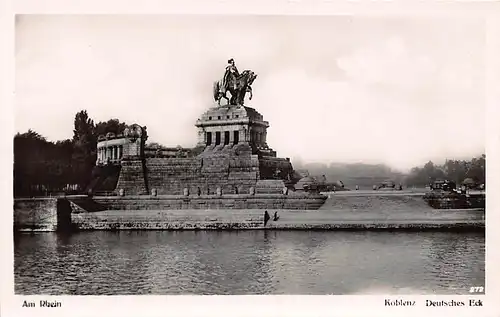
x: 84, y: 205
x: 105, y: 178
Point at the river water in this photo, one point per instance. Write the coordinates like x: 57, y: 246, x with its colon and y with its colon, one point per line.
x: 248, y: 262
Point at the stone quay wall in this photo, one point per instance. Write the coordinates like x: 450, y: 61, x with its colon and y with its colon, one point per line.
x: 35, y: 214
x: 86, y: 213
x: 41, y: 214
x: 254, y: 219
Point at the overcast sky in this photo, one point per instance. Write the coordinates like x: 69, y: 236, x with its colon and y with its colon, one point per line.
x: 334, y: 89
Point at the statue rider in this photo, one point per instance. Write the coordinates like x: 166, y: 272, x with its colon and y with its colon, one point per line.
x: 230, y: 69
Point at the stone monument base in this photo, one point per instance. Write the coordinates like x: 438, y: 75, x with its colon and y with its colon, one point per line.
x: 228, y: 201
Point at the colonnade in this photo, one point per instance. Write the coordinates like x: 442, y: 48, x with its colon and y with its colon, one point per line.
x: 234, y: 137
x: 110, y: 153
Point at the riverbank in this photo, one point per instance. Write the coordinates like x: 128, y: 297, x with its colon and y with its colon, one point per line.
x: 288, y: 220
x: 341, y: 211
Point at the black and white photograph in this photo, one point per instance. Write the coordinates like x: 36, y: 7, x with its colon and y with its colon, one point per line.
x: 228, y: 154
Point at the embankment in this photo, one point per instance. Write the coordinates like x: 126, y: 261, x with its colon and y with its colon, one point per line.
x: 288, y: 220
x: 42, y: 214
x: 341, y: 211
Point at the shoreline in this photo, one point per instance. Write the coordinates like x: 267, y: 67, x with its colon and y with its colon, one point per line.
x: 333, y: 228
x: 331, y: 220
x: 342, y: 213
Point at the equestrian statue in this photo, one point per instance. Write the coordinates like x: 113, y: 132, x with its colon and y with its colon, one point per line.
x: 237, y: 84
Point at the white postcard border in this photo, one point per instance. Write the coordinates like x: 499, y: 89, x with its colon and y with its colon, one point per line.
x: 253, y: 305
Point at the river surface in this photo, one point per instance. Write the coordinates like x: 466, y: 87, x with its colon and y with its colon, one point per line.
x: 248, y: 262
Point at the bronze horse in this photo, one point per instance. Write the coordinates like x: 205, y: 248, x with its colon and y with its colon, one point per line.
x: 237, y: 86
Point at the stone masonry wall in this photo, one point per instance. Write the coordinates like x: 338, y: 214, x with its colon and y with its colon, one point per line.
x: 270, y: 186
x: 229, y: 202
x: 233, y: 170
x: 42, y: 214
x: 254, y: 219
x: 132, y: 178
x: 37, y: 214
x: 268, y: 166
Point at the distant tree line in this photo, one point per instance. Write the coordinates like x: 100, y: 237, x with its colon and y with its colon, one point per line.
x: 42, y: 167
x: 458, y: 171
x: 367, y: 175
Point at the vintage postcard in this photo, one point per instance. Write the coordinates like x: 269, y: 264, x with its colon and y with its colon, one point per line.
x: 341, y: 155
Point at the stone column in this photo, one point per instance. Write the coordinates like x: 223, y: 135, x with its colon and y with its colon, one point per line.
x: 231, y: 137
x: 202, y: 136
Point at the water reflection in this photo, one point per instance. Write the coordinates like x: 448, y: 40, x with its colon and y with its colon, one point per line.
x: 247, y: 262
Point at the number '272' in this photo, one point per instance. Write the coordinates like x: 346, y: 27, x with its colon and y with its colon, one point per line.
x: 476, y: 289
